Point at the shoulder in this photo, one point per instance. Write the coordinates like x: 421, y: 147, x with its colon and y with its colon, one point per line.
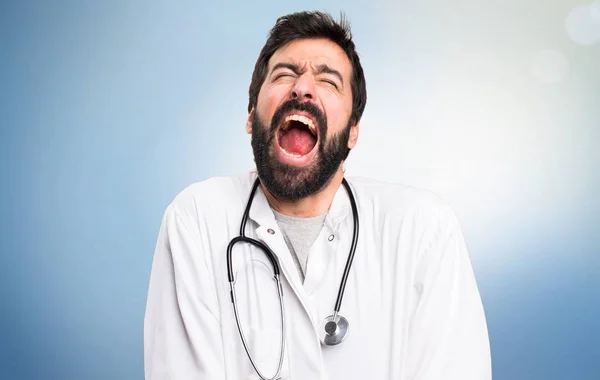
x: 402, y: 205
x: 213, y: 193
x: 415, y: 212
x: 397, y: 196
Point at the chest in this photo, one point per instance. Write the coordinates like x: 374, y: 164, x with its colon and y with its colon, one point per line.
x: 376, y: 301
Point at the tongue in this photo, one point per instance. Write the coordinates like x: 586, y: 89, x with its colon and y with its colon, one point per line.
x: 297, y: 141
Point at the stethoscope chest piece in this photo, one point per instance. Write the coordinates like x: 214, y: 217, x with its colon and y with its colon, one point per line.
x: 333, y: 330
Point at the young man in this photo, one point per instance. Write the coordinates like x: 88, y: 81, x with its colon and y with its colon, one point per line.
x: 410, y: 307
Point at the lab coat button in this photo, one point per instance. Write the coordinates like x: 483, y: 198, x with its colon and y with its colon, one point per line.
x: 331, y: 237
x: 270, y: 230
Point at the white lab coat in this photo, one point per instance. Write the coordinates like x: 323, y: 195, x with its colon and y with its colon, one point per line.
x: 411, y: 299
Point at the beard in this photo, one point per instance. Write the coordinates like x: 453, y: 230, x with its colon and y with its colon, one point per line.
x: 292, y: 183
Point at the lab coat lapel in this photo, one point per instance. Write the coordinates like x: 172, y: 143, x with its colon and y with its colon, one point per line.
x: 327, y: 243
x: 268, y: 231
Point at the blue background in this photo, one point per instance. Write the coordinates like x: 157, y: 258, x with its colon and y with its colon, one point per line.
x: 109, y: 109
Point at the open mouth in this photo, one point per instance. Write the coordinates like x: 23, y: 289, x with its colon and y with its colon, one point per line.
x: 297, y: 135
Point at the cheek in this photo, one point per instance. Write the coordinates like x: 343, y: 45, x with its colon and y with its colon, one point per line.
x: 268, y: 100
x: 338, y: 114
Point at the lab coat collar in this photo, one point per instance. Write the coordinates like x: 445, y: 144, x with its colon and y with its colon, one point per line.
x: 262, y: 213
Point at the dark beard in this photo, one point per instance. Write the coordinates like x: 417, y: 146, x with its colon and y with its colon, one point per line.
x: 288, y: 182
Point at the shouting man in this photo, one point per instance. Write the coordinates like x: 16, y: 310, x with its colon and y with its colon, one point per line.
x: 372, y: 280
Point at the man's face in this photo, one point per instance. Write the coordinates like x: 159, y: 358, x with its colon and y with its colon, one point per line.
x: 300, y: 126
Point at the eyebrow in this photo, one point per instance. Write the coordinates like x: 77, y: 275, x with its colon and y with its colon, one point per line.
x: 328, y: 70
x: 321, y: 69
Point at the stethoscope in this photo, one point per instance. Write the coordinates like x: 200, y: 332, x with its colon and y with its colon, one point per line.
x: 334, y: 328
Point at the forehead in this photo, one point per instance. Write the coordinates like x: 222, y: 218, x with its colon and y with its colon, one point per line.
x: 313, y: 52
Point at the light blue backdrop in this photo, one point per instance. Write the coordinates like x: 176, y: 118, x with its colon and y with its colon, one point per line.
x: 110, y: 108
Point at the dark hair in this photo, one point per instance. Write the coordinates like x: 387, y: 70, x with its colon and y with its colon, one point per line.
x: 311, y: 25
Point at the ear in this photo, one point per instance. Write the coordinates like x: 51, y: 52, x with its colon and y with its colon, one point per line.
x: 353, y: 136
x: 249, y: 121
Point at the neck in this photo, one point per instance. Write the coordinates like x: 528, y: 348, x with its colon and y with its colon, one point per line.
x: 313, y: 205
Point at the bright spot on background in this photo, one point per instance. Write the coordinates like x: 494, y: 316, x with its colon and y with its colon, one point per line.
x: 583, y: 24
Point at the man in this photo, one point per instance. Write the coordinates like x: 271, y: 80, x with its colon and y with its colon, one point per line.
x: 410, y: 296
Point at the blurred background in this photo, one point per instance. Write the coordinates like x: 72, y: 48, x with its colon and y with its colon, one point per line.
x: 110, y: 108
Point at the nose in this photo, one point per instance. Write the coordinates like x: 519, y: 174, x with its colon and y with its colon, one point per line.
x: 304, y: 88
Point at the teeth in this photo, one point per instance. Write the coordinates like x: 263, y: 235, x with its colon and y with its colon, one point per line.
x: 305, y: 120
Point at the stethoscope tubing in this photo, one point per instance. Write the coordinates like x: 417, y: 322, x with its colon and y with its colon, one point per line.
x: 338, y: 302
x: 243, y: 336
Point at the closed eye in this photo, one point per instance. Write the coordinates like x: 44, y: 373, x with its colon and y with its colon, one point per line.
x: 330, y: 82
x: 283, y: 75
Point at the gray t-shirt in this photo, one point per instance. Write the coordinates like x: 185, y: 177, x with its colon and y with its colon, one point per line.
x: 299, y: 235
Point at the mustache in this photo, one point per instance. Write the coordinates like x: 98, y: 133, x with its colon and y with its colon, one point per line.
x: 295, y: 105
